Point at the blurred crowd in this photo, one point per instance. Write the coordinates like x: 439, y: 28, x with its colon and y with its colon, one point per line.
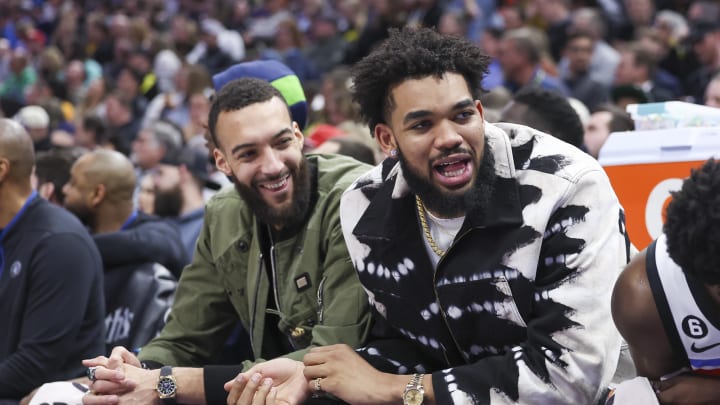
x: 103, y: 71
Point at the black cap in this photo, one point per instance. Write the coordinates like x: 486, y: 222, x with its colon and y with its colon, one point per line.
x: 197, y: 162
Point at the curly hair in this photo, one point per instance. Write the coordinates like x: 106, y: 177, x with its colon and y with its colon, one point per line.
x: 412, y: 54
x: 237, y: 95
x: 692, y: 226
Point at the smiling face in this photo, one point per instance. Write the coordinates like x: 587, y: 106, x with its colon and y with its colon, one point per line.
x: 438, y: 129
x: 260, y: 148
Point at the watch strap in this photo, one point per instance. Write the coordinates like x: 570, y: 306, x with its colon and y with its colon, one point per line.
x: 166, y: 371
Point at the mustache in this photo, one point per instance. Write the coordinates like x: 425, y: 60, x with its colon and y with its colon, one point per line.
x: 450, y: 152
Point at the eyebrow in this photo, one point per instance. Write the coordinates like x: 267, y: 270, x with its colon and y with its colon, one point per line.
x: 413, y: 115
x: 280, y: 133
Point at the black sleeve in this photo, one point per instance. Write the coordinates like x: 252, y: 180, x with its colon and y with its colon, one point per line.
x: 214, y: 378
x: 59, y: 288
x: 153, y: 241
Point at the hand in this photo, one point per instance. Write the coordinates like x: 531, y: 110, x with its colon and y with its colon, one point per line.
x: 110, y: 373
x: 689, y: 389
x: 346, y: 375
x: 288, y: 383
x: 137, y: 387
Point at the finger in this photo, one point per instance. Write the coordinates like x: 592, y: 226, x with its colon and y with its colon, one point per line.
x: 111, y: 387
x: 311, y: 372
x: 236, y: 388
x: 263, y: 390
x: 272, y: 396
x: 314, y: 358
x: 92, y: 399
x: 94, y: 362
x: 102, y: 373
x: 315, y: 385
x: 120, y: 356
x: 247, y: 395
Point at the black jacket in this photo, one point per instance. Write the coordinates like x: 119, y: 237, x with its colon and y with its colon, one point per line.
x: 146, y: 239
x: 51, y: 299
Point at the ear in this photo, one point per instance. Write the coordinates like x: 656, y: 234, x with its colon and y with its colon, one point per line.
x: 46, y: 190
x: 480, y: 109
x: 4, y: 168
x: 221, y: 163
x: 298, y: 133
x: 98, y: 195
x: 385, y: 138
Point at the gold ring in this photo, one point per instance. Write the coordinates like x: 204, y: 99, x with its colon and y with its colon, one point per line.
x: 316, y: 383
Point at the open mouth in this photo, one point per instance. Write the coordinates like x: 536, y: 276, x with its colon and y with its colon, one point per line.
x: 276, y: 185
x: 453, y: 171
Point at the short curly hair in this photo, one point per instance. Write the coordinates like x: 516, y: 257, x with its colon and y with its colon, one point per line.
x: 551, y: 112
x: 412, y: 54
x: 692, y: 226
x: 236, y: 95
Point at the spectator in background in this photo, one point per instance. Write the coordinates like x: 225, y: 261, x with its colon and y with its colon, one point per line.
x: 705, y: 40
x: 179, y: 181
x: 52, y: 171
x: 91, y: 133
x: 520, y: 55
x: 211, y: 52
x: 578, y: 53
x: 636, y: 69
x: 287, y: 48
x: 21, y: 76
x: 603, y: 121
x: 162, y: 138
x: 604, y: 58
x: 712, y: 92
x: 327, y: 47
x: 546, y: 111
x: 51, y: 300
x: 146, y: 195
x: 37, y: 123
x: 100, y: 193
x: 123, y: 125
x: 556, y: 14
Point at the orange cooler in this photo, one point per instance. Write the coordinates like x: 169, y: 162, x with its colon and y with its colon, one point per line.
x: 645, y: 166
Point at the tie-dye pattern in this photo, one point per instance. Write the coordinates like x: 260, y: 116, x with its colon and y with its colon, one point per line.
x: 518, y: 310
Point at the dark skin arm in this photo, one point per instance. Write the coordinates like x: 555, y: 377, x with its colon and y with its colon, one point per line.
x: 637, y: 318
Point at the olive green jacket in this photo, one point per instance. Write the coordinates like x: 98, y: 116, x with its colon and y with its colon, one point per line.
x: 320, y: 299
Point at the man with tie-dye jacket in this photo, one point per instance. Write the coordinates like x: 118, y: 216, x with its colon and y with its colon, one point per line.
x: 488, y: 252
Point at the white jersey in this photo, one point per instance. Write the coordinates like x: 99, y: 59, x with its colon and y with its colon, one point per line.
x: 690, y: 317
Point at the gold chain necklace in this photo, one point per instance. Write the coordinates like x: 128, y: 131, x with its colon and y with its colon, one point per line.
x: 426, y: 229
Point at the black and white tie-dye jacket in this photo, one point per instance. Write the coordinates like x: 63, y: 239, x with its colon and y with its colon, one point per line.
x: 518, y: 310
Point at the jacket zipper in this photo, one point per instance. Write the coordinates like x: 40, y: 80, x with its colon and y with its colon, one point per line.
x: 320, y: 300
x: 254, y: 311
x: 442, y: 310
x: 275, y: 284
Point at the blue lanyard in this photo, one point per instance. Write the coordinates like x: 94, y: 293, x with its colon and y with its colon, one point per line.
x: 9, y: 226
x: 129, y: 221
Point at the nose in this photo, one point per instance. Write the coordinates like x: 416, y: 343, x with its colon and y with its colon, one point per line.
x: 447, y: 136
x: 272, y: 165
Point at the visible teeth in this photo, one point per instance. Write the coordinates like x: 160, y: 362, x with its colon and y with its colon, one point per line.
x: 454, y: 173
x: 277, y: 185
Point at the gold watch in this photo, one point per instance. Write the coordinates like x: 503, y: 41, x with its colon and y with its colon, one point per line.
x: 414, y: 391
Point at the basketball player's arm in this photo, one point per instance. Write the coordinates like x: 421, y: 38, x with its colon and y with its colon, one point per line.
x: 637, y: 318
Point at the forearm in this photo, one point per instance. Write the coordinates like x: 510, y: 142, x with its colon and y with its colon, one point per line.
x: 190, y: 385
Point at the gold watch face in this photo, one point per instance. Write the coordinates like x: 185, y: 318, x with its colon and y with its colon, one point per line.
x: 413, y: 396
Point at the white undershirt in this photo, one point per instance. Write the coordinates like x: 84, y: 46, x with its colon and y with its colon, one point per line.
x: 443, y: 231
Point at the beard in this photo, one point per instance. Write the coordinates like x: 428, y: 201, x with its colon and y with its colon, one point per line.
x: 286, y: 217
x: 84, y: 214
x: 452, y: 205
x: 168, y: 203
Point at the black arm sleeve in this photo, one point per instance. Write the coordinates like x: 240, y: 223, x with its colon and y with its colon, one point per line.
x: 214, y: 377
